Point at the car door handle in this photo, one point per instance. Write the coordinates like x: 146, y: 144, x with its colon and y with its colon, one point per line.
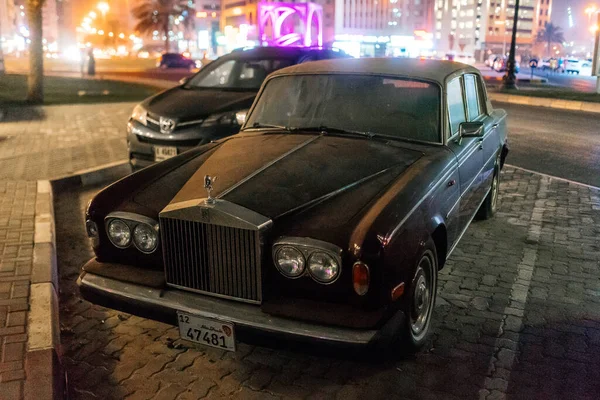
x: 480, y: 141
x: 494, y: 126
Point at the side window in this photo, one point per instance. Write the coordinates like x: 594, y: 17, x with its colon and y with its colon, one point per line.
x: 456, y: 106
x: 473, y: 103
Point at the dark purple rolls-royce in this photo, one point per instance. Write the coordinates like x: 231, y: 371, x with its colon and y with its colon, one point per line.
x: 326, y: 218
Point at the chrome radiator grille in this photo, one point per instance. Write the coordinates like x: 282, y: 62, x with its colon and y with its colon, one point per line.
x: 213, y: 259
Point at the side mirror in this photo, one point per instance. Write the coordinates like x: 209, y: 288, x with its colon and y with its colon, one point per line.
x: 185, y: 80
x: 470, y: 129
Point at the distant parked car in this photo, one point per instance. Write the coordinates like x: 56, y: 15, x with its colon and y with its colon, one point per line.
x: 175, y: 60
x: 490, y: 60
x: 210, y: 104
x: 586, y: 68
x: 500, y: 64
x: 572, y: 66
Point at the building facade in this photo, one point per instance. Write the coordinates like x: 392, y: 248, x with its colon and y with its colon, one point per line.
x: 8, y: 26
x: 477, y: 28
x: 384, y: 27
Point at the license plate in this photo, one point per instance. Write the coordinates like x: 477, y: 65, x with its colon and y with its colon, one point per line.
x: 164, y: 152
x: 206, y: 331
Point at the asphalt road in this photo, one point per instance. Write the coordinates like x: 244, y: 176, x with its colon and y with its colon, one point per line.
x: 555, y: 142
x: 575, y: 82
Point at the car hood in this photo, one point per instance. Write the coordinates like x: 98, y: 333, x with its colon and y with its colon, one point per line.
x: 283, y: 174
x: 192, y: 104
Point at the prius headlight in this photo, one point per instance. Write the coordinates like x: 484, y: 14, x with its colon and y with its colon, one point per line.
x: 124, y: 229
x: 235, y: 118
x: 140, y: 114
x: 297, y: 256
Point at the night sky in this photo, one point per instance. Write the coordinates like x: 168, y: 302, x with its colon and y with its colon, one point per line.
x: 580, y: 31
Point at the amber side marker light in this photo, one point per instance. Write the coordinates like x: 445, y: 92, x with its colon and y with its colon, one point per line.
x: 360, y: 278
x: 397, y: 292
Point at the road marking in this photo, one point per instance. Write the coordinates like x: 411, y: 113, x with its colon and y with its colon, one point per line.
x: 504, y: 356
x: 554, y: 177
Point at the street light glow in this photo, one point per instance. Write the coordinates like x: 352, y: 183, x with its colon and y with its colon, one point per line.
x: 593, y: 28
x: 93, y: 15
x: 103, y: 7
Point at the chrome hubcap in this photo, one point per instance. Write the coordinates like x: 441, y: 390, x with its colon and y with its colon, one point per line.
x: 421, y: 297
x: 494, y: 191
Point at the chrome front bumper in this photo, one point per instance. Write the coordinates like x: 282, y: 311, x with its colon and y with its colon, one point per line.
x: 163, y: 304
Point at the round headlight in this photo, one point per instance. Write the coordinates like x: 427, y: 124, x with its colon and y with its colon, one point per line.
x: 290, y: 261
x: 145, y: 238
x: 323, y: 267
x: 119, y: 233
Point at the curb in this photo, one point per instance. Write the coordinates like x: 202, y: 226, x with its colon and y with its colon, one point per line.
x: 47, y: 377
x: 570, y: 105
x: 42, y: 359
x: 93, y: 176
x: 525, y: 80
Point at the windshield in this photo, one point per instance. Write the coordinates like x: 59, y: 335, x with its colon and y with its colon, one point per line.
x: 236, y: 74
x: 402, y: 108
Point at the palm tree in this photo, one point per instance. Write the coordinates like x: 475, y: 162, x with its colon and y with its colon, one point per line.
x: 157, y: 15
x: 35, y: 81
x: 550, y: 34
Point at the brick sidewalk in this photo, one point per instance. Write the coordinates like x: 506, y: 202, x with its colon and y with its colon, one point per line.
x: 41, y: 143
x: 17, y: 215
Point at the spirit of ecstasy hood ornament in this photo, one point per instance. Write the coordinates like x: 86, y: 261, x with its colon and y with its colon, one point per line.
x: 208, y: 185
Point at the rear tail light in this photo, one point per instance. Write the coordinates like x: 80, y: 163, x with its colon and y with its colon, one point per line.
x: 360, y: 278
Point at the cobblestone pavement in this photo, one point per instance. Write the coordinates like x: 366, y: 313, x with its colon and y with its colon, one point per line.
x: 17, y: 217
x: 55, y: 141
x: 518, y: 316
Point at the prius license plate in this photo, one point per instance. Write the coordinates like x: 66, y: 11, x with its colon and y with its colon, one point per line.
x: 164, y: 152
x: 206, y: 331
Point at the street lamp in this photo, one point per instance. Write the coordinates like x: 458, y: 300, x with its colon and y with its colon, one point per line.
x: 510, y: 79
x: 590, y: 11
x: 596, y: 55
x: 103, y: 7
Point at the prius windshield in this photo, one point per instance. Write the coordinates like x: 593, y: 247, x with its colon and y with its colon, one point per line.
x: 244, y: 74
x: 378, y: 105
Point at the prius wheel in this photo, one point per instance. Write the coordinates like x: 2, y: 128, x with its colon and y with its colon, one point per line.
x: 421, y: 300
x: 490, y: 204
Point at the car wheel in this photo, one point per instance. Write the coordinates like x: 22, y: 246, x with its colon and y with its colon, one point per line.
x: 490, y: 204
x: 421, y: 300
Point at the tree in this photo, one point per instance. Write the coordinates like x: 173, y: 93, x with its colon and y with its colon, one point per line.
x: 157, y: 15
x: 35, y: 81
x: 550, y: 34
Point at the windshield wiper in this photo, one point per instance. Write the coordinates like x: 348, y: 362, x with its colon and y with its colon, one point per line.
x: 268, y: 126
x: 328, y: 129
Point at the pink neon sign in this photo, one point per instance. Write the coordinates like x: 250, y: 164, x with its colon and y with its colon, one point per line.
x: 283, y: 32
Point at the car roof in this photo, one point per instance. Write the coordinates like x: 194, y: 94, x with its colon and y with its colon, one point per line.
x: 272, y: 51
x: 431, y: 70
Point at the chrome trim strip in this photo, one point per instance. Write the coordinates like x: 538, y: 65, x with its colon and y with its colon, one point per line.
x: 221, y: 212
x: 131, y: 217
x: 267, y: 165
x: 198, y: 121
x: 466, y: 226
x: 241, y: 314
x: 454, y: 206
x: 213, y: 294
